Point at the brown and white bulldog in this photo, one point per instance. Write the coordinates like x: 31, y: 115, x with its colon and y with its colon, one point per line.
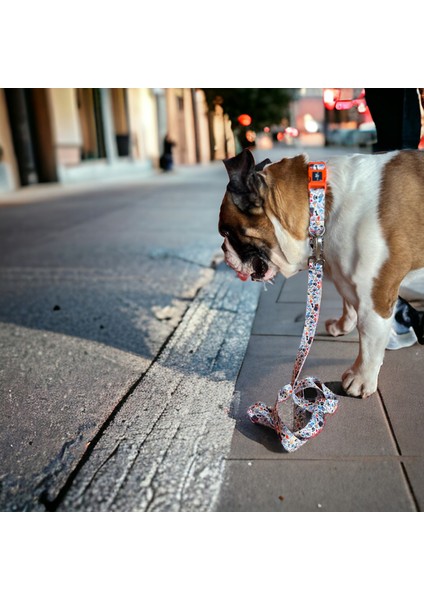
x: 374, y: 237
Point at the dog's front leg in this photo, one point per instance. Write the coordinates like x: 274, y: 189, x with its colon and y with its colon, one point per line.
x: 345, y: 324
x: 374, y: 330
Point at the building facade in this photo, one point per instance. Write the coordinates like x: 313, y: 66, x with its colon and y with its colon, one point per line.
x: 80, y: 134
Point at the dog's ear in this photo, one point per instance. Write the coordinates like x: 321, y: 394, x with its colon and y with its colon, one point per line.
x: 260, y: 166
x: 245, y: 183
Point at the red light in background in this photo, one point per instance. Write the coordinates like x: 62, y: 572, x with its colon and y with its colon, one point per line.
x: 267, y: 129
x: 244, y: 120
x: 332, y: 100
x: 330, y: 96
x: 292, y: 131
x: 345, y: 104
x: 359, y: 103
x: 280, y: 136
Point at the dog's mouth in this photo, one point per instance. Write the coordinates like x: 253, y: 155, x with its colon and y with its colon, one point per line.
x: 260, y: 268
x: 257, y: 269
x: 255, y: 266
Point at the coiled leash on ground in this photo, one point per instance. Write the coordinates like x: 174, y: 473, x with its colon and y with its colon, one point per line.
x: 308, y: 415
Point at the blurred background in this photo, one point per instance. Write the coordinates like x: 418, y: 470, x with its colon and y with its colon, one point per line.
x: 86, y: 134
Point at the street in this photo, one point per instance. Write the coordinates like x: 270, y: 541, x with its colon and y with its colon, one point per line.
x: 94, y: 286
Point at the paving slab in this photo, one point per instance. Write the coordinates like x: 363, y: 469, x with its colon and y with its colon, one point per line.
x: 401, y: 384
x: 315, y: 486
x: 414, y: 468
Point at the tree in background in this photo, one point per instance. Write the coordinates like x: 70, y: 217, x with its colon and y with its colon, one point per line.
x: 266, y: 106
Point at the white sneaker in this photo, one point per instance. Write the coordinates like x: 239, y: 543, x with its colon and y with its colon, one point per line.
x: 401, y: 340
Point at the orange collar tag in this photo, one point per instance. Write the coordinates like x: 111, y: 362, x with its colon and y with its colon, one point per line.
x: 317, y: 175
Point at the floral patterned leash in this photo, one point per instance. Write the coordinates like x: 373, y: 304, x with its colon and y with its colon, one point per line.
x: 308, y: 415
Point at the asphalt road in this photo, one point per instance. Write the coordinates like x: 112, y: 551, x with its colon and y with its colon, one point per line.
x: 120, y: 343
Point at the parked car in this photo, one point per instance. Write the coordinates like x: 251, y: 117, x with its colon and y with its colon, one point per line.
x: 364, y: 136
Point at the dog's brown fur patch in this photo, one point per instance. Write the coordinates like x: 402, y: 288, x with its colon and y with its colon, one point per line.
x: 401, y: 213
x: 287, y: 182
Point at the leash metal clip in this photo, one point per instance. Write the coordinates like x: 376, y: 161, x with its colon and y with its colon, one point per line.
x: 317, y: 247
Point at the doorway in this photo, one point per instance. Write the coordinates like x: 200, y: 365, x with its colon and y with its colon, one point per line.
x: 30, y: 125
x: 121, y: 120
x: 91, y: 120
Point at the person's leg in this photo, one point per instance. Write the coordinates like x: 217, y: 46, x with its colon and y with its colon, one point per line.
x: 411, y: 132
x: 387, y: 111
x: 402, y: 334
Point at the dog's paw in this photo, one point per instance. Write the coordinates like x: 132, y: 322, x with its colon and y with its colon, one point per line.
x: 332, y: 327
x: 358, y: 384
x: 336, y: 327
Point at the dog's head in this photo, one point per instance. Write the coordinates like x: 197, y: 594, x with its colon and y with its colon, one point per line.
x: 247, y: 231
x: 258, y: 241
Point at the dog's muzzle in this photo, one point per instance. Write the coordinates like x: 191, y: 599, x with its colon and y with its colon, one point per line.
x: 253, y: 266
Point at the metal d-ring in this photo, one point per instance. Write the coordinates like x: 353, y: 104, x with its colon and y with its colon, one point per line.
x: 317, y: 246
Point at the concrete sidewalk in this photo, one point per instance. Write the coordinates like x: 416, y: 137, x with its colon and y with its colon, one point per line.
x: 370, y: 455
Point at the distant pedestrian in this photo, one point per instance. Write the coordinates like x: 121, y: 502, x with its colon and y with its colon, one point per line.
x: 166, y: 161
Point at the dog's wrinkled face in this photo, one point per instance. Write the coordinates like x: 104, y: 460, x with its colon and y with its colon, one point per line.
x: 248, y: 232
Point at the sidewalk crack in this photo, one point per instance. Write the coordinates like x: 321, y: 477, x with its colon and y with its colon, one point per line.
x: 399, y: 451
